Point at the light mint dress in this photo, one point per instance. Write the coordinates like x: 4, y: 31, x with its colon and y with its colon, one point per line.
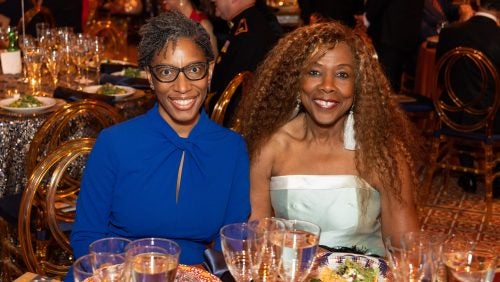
x: 346, y: 208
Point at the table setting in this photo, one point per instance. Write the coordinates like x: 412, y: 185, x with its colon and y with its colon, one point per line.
x: 54, y: 73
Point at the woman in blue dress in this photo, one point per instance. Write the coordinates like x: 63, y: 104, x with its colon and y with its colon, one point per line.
x: 327, y: 143
x: 172, y: 172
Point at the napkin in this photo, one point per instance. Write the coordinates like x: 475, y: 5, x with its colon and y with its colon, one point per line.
x: 138, y: 83
x: 72, y: 95
x: 110, y: 67
x: 215, y: 263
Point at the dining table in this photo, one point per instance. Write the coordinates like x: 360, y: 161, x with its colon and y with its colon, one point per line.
x: 17, y: 128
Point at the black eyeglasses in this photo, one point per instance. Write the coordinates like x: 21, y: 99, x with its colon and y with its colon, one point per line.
x: 167, y: 73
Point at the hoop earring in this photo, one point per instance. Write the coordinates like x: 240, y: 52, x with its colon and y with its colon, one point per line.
x: 349, y: 134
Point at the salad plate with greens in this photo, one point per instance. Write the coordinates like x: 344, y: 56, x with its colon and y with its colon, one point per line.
x: 27, y: 104
x: 117, y: 91
x: 344, y: 267
x: 131, y: 72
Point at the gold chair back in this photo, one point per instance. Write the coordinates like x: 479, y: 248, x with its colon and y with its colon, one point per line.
x: 220, y: 108
x: 473, y: 136
x: 38, y: 9
x: 463, y: 59
x: 85, y: 118
x: 46, y: 207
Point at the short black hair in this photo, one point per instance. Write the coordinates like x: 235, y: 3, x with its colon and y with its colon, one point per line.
x: 490, y: 4
x: 167, y: 27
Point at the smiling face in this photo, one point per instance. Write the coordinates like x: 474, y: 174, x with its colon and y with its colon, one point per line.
x: 327, y: 86
x: 180, y: 100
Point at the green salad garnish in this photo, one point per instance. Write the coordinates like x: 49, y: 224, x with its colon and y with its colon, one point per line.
x: 110, y: 89
x: 348, y: 271
x: 132, y: 72
x: 26, y: 101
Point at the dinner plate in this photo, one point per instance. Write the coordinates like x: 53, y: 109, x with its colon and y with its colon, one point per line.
x: 117, y: 62
x: 334, y: 260
x: 142, y: 74
x: 47, y: 103
x: 93, y: 89
x: 186, y: 273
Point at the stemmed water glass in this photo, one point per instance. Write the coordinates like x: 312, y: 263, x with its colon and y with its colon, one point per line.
x: 468, y: 261
x: 99, y: 267
x: 267, y: 257
x: 80, y: 48
x: 239, y: 246
x: 298, y: 248
x: 97, y: 50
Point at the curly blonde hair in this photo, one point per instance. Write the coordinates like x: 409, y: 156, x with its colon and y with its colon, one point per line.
x: 382, y: 130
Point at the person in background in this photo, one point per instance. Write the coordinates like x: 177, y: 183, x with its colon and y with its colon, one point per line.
x: 481, y: 32
x: 343, y: 11
x: 65, y: 13
x: 190, y: 10
x: 251, y: 35
x: 438, y: 13
x: 172, y: 172
x: 394, y: 27
x: 327, y: 144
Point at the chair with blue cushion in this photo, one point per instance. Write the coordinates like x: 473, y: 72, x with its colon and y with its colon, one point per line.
x: 465, y: 124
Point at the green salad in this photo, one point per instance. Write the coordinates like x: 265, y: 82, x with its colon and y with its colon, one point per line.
x: 132, y: 72
x: 348, y: 271
x: 110, y: 89
x: 26, y: 101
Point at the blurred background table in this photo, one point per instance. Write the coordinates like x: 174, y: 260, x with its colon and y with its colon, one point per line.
x: 17, y: 130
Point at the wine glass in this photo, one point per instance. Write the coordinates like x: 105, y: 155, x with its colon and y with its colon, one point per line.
x: 34, y: 60
x: 53, y: 63
x: 97, y: 50
x: 421, y: 256
x: 80, y: 48
x: 239, y: 243
x: 465, y: 260
x: 267, y: 257
x: 298, y: 248
x: 24, y: 42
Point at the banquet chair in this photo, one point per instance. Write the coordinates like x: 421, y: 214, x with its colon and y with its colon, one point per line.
x: 472, y: 133
x: 48, y: 208
x: 85, y: 118
x: 230, y: 97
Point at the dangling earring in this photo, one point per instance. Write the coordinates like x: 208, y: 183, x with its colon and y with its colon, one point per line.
x: 349, y: 134
x: 297, y: 108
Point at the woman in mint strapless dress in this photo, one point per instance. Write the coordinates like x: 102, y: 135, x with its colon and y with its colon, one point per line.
x: 327, y: 143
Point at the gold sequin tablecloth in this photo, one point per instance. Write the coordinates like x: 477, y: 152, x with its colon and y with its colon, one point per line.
x: 17, y: 131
